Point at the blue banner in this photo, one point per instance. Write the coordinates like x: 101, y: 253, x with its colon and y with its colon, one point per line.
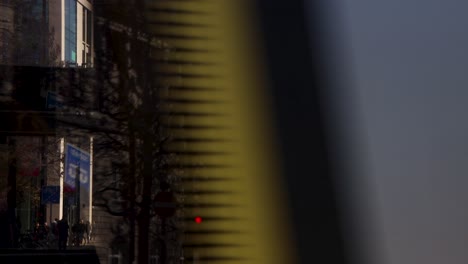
x: 50, y: 194
x: 77, y: 164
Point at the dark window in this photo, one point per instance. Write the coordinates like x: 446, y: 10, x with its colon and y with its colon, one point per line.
x: 83, y: 24
x: 89, y: 27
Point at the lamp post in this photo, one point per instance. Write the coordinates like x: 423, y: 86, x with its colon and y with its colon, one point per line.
x: 77, y: 194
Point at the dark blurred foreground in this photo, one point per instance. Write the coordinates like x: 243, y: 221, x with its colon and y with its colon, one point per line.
x: 86, y: 255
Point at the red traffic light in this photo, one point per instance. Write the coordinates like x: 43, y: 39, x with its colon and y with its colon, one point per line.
x: 198, y: 219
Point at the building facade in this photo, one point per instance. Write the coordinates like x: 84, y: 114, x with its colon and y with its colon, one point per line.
x: 46, y: 32
x: 46, y: 57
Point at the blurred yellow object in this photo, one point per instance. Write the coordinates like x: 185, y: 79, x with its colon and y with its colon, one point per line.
x: 211, y: 73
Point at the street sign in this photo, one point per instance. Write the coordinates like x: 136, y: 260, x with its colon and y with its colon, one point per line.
x: 53, y: 100
x: 77, y: 164
x: 50, y: 195
x: 165, y: 204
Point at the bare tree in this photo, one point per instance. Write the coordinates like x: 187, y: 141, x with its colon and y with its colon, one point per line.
x: 124, y: 115
x: 26, y: 38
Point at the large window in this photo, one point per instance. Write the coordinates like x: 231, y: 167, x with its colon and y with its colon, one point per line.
x: 70, y: 31
x: 87, y: 37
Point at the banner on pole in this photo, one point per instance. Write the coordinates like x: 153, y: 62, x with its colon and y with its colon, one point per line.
x: 77, y: 164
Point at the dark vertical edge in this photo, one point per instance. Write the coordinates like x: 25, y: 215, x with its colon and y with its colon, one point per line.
x: 11, y: 195
x: 297, y: 73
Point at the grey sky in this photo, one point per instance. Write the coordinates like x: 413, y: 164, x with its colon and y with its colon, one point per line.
x: 407, y: 100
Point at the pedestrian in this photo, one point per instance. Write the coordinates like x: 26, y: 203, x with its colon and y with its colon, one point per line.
x: 74, y: 233
x: 81, y: 230
x: 39, y: 232
x: 88, y: 231
x: 93, y: 231
x: 46, y: 229
x: 78, y: 230
x: 62, y: 227
x: 53, y: 227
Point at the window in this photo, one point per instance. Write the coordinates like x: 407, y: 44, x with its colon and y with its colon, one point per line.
x: 70, y: 31
x: 86, y: 36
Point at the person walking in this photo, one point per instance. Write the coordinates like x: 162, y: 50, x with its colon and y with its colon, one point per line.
x: 78, y: 231
x: 81, y: 232
x: 93, y: 231
x: 88, y: 231
x: 62, y: 227
x: 54, y: 228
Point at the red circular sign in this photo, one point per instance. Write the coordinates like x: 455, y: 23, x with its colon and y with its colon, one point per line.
x: 198, y: 219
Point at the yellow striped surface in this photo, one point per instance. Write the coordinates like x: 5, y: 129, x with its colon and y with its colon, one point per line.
x: 208, y: 61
